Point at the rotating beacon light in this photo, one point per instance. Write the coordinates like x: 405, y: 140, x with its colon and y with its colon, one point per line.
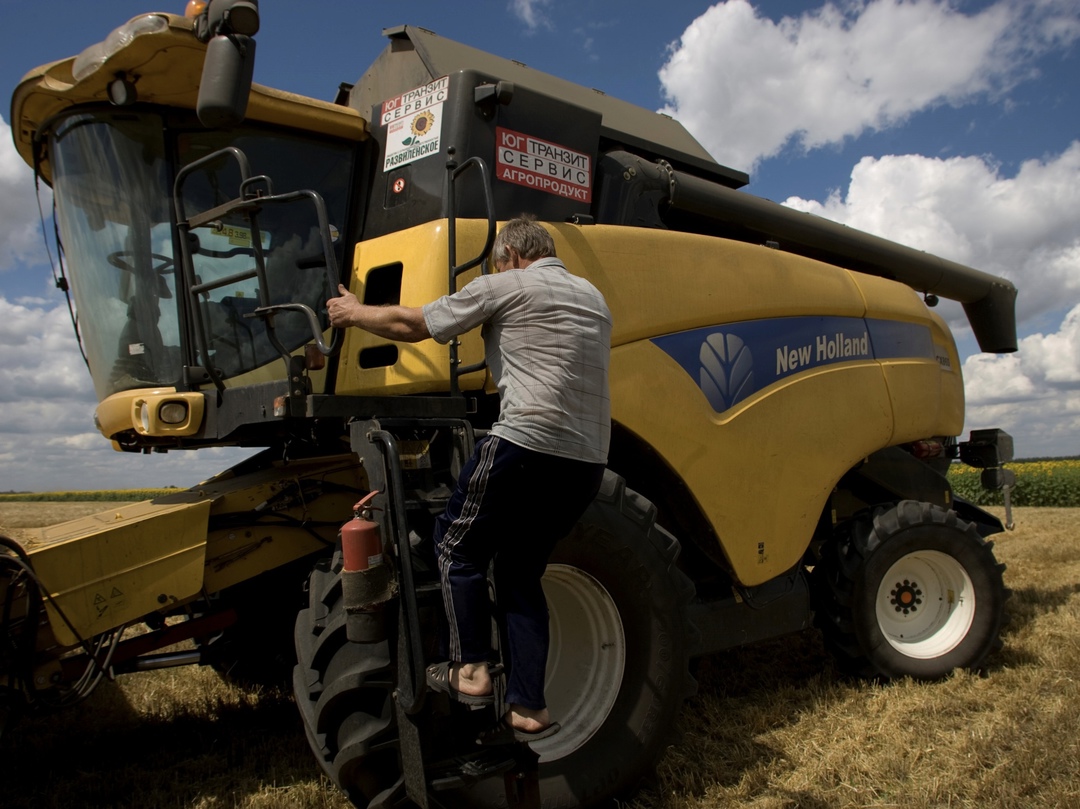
x: 367, y: 581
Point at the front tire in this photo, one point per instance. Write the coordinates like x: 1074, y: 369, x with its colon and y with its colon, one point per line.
x: 910, y: 591
x: 345, y: 692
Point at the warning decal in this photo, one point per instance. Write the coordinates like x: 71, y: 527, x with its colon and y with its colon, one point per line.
x: 413, y: 122
x: 545, y: 166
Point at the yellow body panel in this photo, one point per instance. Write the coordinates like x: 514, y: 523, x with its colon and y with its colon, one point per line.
x: 927, y: 394
x: 926, y: 402
x: 114, y: 567
x: 240, y: 552
x: 626, y: 264
x: 659, y: 282
x: 761, y: 471
x: 420, y: 367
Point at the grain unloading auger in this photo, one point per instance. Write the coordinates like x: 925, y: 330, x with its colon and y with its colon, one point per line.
x: 784, y: 404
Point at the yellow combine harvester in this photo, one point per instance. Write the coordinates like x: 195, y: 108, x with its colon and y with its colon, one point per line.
x: 785, y: 404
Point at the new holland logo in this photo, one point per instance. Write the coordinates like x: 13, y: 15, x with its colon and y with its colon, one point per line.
x: 720, y: 358
x: 727, y: 370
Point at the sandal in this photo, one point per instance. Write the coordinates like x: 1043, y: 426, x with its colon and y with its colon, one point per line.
x: 505, y: 733
x: 438, y: 679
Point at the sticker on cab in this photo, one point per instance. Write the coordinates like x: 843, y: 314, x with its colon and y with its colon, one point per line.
x: 413, y: 122
x: 543, y: 165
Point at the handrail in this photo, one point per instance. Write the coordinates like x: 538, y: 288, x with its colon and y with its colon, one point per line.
x: 330, y: 264
x: 202, y: 338
x: 255, y: 192
x: 412, y: 701
x: 453, y: 171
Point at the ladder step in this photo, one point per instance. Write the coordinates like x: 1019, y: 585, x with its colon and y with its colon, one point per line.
x: 427, y: 504
x: 466, y: 771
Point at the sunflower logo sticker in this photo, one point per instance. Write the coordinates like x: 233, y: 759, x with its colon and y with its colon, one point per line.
x: 421, y: 125
x: 413, y: 122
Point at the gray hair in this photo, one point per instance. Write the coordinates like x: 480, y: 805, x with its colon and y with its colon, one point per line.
x: 527, y: 236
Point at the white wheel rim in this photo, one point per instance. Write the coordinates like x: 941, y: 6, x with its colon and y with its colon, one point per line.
x: 925, y: 604
x: 586, y: 660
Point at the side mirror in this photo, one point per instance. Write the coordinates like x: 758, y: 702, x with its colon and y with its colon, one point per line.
x: 226, y: 81
x: 227, y: 26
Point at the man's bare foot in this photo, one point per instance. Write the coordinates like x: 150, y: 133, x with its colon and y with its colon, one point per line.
x: 520, y: 725
x: 527, y: 719
x: 473, y: 679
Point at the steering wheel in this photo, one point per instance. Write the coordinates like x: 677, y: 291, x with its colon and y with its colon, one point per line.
x: 117, y: 260
x: 165, y: 264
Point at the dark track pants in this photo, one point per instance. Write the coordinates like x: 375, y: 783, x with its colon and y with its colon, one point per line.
x: 511, y: 505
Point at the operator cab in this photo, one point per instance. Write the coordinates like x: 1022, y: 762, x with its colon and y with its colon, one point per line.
x: 113, y: 179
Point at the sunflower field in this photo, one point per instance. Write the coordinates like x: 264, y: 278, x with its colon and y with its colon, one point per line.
x: 1038, y: 483
x: 105, y: 496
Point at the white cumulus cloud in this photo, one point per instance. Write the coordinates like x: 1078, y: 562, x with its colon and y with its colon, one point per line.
x: 1044, y: 364
x: 1025, y: 227
x: 1034, y: 393
x: 47, y: 436
x: 533, y: 13
x: 20, y: 236
x: 747, y: 86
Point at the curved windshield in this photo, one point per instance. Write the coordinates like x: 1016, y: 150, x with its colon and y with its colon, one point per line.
x: 112, y: 179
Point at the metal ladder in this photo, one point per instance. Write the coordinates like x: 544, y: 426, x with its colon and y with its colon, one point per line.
x: 377, y: 441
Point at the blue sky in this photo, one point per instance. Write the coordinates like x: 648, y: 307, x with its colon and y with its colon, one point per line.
x: 953, y: 127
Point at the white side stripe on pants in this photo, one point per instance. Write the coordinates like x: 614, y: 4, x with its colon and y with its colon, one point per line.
x: 477, y: 485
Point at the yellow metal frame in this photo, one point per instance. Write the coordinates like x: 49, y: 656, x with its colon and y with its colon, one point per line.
x: 166, y: 68
x: 122, y: 564
x: 114, y: 567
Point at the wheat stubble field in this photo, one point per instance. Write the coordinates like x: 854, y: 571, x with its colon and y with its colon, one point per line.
x: 771, y: 727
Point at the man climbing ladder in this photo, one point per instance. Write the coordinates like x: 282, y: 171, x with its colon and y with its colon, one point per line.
x: 547, y: 338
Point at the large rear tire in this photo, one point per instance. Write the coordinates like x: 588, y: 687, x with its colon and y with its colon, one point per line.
x: 910, y: 591
x: 618, y: 670
x: 617, y: 674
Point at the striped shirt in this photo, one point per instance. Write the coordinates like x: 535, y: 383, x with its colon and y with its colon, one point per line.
x: 547, y: 340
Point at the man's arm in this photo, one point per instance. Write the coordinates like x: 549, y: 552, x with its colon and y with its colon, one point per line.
x: 403, y: 323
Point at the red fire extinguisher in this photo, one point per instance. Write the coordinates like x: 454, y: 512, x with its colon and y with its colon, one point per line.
x: 361, y: 545
x: 366, y: 582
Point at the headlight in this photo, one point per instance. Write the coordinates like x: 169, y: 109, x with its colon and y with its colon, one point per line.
x: 94, y: 57
x: 167, y: 413
x: 142, y: 411
x: 173, y: 412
